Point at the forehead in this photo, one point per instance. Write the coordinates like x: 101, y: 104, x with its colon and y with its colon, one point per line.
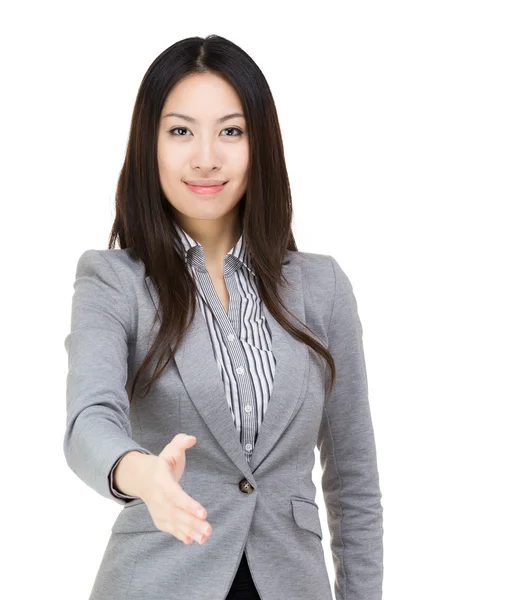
x: 202, y: 93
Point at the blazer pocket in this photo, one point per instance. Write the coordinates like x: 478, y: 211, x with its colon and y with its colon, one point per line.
x: 133, y: 519
x: 305, y: 513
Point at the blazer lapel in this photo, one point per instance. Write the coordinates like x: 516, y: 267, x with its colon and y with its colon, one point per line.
x: 200, y: 374
x: 291, y: 356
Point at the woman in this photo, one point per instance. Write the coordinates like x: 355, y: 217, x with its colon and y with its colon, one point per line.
x: 251, y: 353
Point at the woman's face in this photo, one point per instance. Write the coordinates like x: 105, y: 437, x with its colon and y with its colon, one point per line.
x: 200, y: 147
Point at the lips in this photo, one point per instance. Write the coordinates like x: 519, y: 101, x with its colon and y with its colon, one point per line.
x: 205, y: 186
x: 205, y: 182
x: 206, y: 189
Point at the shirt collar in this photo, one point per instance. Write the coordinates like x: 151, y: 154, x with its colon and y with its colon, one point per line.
x: 194, y: 253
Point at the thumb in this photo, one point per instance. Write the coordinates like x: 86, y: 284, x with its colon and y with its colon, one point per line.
x: 184, y: 439
x: 174, y: 452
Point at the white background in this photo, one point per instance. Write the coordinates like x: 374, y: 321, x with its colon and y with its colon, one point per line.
x: 402, y: 125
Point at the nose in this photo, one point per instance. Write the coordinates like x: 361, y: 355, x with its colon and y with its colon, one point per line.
x: 205, y: 156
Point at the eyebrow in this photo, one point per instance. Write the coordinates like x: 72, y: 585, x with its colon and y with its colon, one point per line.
x: 192, y: 120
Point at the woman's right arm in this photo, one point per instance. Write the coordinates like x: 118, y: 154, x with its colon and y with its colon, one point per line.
x: 98, y: 430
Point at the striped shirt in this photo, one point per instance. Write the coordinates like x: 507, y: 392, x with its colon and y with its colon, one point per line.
x: 241, y: 339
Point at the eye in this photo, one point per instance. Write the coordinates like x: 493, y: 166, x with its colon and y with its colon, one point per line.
x: 236, y: 129
x: 171, y: 131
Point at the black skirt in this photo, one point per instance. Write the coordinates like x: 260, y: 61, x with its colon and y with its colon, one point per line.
x: 242, y: 586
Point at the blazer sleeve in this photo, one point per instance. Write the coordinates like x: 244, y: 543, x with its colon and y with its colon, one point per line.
x: 113, y: 489
x: 350, y: 480
x: 98, y: 431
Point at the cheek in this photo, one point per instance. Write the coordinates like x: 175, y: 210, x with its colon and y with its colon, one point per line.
x: 162, y: 163
x: 239, y: 162
x: 168, y: 155
x: 164, y: 174
x: 168, y: 166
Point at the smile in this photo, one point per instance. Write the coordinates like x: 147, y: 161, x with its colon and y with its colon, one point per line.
x: 206, y: 189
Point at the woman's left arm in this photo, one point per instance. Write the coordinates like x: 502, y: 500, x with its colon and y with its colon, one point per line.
x: 346, y: 443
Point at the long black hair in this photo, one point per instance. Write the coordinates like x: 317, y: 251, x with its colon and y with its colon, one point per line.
x: 144, y: 217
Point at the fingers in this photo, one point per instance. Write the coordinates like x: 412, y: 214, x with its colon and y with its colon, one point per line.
x: 188, y: 504
x: 186, y: 527
x: 181, y: 521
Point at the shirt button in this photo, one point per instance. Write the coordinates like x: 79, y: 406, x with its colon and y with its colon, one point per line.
x: 247, y: 408
x: 248, y: 447
x: 240, y: 370
x: 231, y: 336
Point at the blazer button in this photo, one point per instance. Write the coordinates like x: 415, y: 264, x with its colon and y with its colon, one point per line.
x: 245, y: 486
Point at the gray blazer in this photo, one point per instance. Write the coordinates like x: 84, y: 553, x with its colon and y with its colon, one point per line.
x: 266, y: 507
